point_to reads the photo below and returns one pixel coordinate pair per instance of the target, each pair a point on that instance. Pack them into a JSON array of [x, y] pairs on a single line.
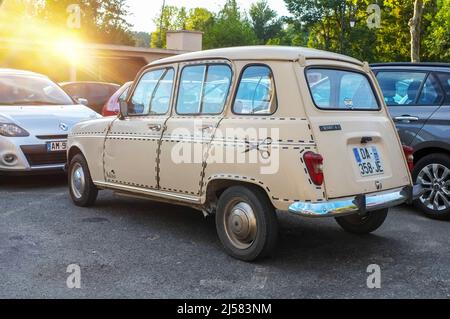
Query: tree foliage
[[101, 21], [265, 21]]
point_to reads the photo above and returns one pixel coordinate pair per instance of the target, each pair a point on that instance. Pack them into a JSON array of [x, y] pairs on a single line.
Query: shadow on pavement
[[33, 181]]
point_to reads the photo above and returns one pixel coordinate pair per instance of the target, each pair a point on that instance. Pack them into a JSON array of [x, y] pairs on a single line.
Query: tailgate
[[356, 138]]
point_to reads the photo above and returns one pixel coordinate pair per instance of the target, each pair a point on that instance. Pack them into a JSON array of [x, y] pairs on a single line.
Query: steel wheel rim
[[240, 225], [435, 180], [77, 181]]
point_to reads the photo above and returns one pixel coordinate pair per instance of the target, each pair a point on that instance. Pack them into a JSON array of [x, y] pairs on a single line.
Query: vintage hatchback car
[[243, 132]]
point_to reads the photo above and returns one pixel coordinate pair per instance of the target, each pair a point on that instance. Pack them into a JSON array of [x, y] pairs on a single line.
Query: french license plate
[[368, 160], [57, 146]]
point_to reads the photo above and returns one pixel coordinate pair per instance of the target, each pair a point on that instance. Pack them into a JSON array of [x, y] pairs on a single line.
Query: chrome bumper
[[357, 204]]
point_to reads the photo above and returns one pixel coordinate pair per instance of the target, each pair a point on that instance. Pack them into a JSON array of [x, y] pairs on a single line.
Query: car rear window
[[333, 89]]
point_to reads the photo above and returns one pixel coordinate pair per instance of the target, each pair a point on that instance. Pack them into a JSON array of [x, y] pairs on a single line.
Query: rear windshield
[[341, 90]]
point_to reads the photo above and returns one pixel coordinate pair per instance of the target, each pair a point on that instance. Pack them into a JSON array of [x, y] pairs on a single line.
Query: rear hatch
[[357, 140]]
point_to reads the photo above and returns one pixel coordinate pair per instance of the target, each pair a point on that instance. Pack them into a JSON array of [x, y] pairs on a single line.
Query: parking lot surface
[[130, 248]]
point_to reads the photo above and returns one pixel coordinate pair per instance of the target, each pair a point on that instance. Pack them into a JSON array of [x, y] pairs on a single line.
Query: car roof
[[424, 66], [4, 71], [88, 83], [264, 52]]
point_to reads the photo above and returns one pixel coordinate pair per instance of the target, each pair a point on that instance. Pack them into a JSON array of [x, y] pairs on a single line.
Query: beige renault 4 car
[[244, 132]]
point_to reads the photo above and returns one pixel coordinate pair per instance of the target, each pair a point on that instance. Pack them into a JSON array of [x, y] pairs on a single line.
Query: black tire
[[436, 158], [88, 195], [264, 237], [357, 224]]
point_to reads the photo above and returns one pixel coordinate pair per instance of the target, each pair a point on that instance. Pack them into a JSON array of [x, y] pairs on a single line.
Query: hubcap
[[77, 180], [240, 225], [435, 180]]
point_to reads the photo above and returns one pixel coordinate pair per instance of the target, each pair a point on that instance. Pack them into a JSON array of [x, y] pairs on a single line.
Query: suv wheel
[[246, 223], [432, 172], [82, 189]]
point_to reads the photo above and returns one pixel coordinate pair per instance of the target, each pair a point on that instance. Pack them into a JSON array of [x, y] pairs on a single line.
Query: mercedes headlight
[[12, 130]]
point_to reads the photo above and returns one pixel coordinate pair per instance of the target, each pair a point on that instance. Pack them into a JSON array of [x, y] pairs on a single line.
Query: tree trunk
[[414, 28]]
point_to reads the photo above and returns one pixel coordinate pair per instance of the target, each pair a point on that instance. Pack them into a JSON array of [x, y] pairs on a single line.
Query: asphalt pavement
[[131, 248]]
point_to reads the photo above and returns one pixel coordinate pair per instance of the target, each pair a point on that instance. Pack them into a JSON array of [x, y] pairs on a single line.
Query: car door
[[412, 97], [132, 142], [436, 129], [203, 89]]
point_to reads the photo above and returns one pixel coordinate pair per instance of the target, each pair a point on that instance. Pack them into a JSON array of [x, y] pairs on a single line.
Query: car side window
[[431, 93], [400, 88], [203, 89], [160, 102], [445, 81], [124, 94], [256, 91], [150, 95]]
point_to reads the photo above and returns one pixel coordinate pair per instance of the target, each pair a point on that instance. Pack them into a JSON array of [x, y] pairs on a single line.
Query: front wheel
[[82, 189], [358, 224], [246, 223]]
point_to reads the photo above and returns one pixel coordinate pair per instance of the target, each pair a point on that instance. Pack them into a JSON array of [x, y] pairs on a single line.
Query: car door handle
[[406, 118], [206, 128], [155, 127]]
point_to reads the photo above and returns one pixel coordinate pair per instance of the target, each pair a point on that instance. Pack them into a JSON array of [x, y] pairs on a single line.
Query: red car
[[112, 107]]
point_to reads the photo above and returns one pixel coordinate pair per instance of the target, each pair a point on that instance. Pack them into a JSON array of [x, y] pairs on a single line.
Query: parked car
[[112, 107], [96, 93], [315, 138], [35, 118], [418, 98]]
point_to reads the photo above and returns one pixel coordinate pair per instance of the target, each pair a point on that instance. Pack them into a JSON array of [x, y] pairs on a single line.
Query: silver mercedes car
[[35, 118]]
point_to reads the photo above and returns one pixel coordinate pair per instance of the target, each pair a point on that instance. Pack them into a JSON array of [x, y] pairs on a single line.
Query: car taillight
[[111, 107], [314, 165], [409, 151]]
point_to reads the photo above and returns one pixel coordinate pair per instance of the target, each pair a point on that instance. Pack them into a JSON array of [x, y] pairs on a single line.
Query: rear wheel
[[432, 172], [246, 223], [82, 189], [358, 224]]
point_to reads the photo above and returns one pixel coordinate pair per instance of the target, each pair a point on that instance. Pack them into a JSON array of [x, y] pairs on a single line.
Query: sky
[[142, 12]]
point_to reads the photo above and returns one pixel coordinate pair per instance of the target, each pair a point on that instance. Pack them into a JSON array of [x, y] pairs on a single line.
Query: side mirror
[[123, 109], [82, 101]]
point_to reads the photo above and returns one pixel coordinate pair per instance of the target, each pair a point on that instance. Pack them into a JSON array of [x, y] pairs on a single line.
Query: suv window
[[400, 88], [431, 92], [341, 90], [152, 94], [445, 81], [203, 89], [256, 92]]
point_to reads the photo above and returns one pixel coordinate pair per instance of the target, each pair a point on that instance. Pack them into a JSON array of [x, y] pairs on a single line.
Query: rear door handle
[[406, 118], [155, 127]]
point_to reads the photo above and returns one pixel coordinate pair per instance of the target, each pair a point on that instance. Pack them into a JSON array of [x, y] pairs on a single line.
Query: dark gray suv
[[418, 98]]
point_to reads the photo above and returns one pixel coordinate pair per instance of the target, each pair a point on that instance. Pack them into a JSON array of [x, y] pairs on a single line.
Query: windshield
[[31, 90], [341, 90]]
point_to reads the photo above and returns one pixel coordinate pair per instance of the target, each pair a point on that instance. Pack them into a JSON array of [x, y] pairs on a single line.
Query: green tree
[[113, 25], [172, 18], [199, 19], [437, 42], [265, 21], [231, 28], [101, 21]]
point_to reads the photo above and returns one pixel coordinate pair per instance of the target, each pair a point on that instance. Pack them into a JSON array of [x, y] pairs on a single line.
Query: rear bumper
[[357, 204]]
